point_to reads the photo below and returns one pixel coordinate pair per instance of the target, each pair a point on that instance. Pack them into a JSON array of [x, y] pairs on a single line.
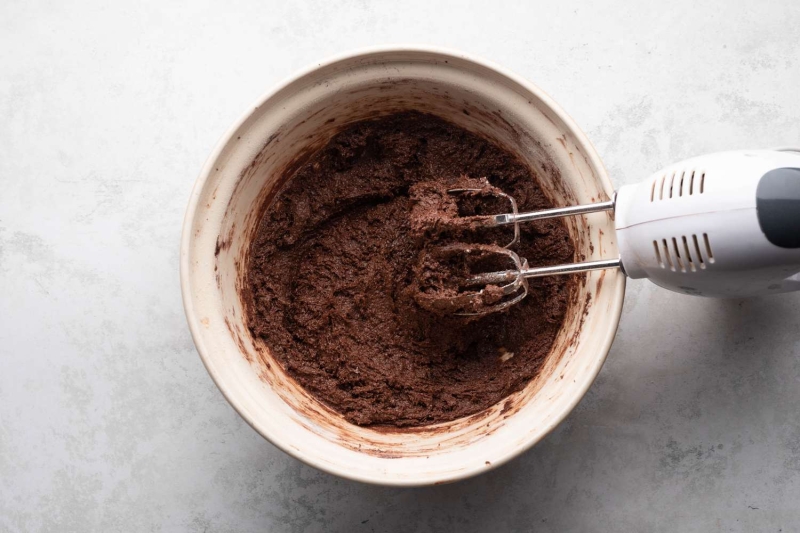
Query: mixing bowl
[[273, 138]]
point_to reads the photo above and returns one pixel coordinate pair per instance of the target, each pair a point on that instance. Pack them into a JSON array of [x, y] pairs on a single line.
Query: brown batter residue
[[441, 277], [331, 267]]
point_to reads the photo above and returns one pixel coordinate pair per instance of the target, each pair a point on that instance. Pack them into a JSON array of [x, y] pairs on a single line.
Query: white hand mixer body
[[721, 225]]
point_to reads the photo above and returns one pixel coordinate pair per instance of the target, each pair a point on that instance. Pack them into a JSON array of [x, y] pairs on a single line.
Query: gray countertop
[[108, 420]]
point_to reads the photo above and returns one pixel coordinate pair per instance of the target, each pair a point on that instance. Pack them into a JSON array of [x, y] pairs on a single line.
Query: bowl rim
[[187, 234]]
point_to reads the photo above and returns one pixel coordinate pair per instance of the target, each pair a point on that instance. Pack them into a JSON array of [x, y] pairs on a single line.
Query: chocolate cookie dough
[[332, 263]]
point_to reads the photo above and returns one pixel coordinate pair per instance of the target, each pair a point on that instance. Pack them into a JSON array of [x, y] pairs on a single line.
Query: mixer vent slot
[[708, 248], [677, 184], [678, 258], [658, 254], [684, 254], [667, 256]]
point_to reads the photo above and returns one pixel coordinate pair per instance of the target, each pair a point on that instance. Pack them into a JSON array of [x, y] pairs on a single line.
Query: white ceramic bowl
[[273, 138]]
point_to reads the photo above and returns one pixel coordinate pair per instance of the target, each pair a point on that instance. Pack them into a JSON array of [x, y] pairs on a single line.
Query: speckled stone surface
[[108, 420]]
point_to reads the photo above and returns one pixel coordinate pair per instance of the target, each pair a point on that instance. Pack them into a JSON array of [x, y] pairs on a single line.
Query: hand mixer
[[720, 225]]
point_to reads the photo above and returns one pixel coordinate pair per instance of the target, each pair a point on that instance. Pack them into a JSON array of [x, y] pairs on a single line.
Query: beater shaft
[[539, 272], [511, 218], [571, 268]]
